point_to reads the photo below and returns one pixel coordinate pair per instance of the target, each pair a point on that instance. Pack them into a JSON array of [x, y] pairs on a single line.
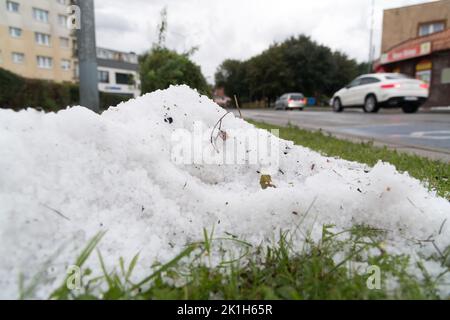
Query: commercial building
[[416, 42], [35, 39], [118, 72]]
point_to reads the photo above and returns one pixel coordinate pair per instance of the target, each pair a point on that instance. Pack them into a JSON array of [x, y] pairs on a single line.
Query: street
[[424, 133]]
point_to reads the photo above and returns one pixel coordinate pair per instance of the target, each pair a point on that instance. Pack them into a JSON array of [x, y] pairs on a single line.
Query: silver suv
[[290, 101]]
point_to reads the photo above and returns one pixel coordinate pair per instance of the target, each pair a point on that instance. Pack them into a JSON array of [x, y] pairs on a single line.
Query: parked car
[[382, 90], [290, 101]]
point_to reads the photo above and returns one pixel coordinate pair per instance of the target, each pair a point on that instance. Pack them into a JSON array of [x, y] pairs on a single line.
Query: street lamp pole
[[87, 56]]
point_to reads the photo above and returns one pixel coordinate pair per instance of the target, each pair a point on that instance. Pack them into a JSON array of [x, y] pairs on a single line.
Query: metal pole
[[87, 56], [371, 53]]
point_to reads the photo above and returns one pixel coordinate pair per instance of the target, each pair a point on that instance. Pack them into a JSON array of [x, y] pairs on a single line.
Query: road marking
[[430, 135]]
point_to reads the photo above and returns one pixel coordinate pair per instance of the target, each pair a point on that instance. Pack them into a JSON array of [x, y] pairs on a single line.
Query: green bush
[[110, 99], [19, 93], [10, 85]]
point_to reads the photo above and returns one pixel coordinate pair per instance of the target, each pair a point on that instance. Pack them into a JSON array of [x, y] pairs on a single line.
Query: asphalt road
[[424, 133]]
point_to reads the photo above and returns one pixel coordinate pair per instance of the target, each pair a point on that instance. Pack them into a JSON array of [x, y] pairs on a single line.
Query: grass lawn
[[436, 173], [271, 273], [327, 269]]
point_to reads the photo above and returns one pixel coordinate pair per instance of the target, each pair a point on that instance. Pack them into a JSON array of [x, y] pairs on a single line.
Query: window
[[42, 39], [65, 64], [18, 57], [62, 20], [369, 80], [44, 62], [424, 70], [12, 6], [424, 75], [64, 42], [429, 28], [445, 76], [15, 32], [40, 15], [124, 78], [296, 97], [354, 83], [103, 76], [397, 76]]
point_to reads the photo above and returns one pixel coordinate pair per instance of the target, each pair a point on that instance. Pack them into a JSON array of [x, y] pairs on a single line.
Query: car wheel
[[371, 104], [410, 108], [337, 105]]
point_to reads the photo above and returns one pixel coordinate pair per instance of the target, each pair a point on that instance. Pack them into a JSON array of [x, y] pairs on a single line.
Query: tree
[[161, 67], [295, 65], [231, 75]]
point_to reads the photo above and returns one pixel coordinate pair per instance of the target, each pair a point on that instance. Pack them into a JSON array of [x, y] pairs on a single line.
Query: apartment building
[[416, 42], [35, 39], [118, 72]]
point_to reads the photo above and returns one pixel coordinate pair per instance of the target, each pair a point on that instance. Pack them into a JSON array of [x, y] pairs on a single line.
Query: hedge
[[19, 93]]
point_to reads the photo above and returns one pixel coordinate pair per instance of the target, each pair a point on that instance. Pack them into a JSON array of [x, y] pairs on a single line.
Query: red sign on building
[[406, 53]]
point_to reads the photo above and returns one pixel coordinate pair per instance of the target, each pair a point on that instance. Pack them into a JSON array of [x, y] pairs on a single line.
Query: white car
[[382, 90]]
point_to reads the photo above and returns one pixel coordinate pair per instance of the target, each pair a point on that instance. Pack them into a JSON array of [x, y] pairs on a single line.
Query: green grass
[[317, 270], [435, 173]]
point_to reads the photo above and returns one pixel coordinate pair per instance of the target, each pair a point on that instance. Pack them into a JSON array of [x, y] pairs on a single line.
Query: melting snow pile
[[64, 177]]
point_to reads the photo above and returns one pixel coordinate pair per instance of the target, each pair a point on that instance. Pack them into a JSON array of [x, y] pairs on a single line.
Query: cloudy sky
[[239, 29]]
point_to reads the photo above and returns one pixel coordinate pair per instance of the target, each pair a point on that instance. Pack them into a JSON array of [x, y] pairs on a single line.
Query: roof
[[116, 51], [117, 64], [441, 41]]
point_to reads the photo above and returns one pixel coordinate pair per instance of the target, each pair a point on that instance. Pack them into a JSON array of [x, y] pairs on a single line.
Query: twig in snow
[[238, 107], [297, 227], [221, 133], [412, 203], [340, 175], [437, 249], [429, 240], [442, 226], [55, 211]]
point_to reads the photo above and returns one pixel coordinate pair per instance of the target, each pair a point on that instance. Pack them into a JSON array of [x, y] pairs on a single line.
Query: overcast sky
[[239, 29]]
